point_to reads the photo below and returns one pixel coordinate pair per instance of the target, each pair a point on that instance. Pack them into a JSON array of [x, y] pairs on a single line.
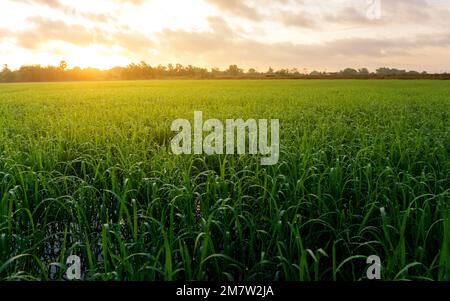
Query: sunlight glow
[[251, 33]]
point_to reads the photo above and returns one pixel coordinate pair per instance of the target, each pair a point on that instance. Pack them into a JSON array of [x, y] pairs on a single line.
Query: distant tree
[[382, 71], [190, 70], [234, 70], [363, 71], [63, 65], [215, 71], [294, 71], [112, 74], [349, 72], [142, 70], [6, 74], [390, 72], [170, 69], [282, 72], [179, 69], [160, 69], [413, 73]]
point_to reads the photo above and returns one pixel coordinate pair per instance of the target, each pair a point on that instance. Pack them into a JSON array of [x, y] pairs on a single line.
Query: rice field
[[86, 169]]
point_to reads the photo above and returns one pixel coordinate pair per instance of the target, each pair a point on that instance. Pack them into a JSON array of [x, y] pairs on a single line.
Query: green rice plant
[[86, 169]]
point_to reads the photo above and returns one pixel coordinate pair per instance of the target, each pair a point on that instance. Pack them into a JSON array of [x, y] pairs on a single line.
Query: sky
[[324, 35]]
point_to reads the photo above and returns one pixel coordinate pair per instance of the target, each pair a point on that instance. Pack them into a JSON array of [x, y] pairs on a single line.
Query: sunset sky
[[312, 34]]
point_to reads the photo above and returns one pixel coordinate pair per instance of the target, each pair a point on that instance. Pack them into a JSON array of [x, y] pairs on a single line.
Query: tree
[[170, 69], [363, 71], [390, 72], [179, 69], [282, 72], [6, 74], [63, 65], [190, 70], [234, 70], [349, 72], [294, 71], [144, 71], [413, 73]]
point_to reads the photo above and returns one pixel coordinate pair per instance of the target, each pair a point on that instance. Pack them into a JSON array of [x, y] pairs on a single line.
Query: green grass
[[364, 170]]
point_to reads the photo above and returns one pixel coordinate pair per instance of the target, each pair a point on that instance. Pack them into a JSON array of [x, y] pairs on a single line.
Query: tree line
[[144, 71]]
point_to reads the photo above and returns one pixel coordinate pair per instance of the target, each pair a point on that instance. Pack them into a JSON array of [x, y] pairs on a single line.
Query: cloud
[[217, 38], [58, 4], [4, 34], [71, 11], [251, 33], [407, 10], [388, 13], [134, 2], [133, 42], [238, 8], [220, 46], [310, 14], [46, 31], [298, 20], [350, 16], [323, 14], [50, 3]]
